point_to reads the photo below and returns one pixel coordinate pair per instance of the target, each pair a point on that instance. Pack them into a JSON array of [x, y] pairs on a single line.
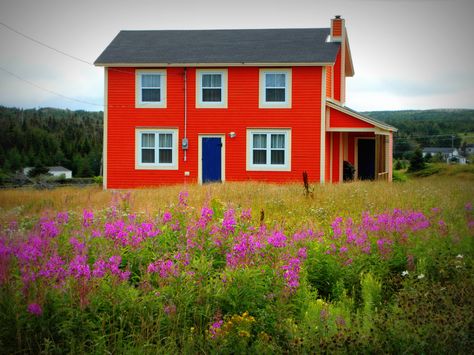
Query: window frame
[[138, 88], [263, 103], [199, 88], [139, 165], [268, 166]]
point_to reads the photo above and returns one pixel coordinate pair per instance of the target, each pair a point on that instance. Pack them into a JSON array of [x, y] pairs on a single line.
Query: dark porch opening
[[366, 159]]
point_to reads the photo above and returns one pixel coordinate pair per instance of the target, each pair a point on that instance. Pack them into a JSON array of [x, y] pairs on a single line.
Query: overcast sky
[[412, 54]]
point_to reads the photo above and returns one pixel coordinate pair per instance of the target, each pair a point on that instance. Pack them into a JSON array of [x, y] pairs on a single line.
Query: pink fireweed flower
[[343, 249], [215, 328], [35, 309], [336, 227], [48, 229], [78, 246], [79, 269], [244, 251], [87, 218], [468, 206], [436, 210], [443, 228], [166, 217], [229, 222], [54, 269], [277, 239], [114, 263], [246, 215], [206, 217], [62, 217], [383, 245], [169, 309], [470, 224], [183, 198], [30, 251], [165, 268], [99, 268], [302, 253], [291, 273]]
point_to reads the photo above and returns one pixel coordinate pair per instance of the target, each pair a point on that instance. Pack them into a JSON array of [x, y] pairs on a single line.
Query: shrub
[[417, 162]]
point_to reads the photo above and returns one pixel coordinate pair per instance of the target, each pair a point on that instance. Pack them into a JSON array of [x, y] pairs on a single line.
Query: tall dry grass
[[282, 204]]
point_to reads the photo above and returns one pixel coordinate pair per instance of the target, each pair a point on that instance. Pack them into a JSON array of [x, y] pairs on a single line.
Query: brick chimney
[[337, 29]]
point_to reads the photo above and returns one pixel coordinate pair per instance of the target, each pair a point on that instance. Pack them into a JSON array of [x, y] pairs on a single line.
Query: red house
[[233, 105]]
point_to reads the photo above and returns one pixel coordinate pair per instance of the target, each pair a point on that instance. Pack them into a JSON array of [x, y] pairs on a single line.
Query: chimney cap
[[337, 16]]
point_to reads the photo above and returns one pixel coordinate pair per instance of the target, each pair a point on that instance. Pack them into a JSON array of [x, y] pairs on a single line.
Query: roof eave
[[349, 69], [216, 64]]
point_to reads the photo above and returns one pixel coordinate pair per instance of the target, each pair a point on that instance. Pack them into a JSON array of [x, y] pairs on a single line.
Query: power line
[[449, 135], [44, 44], [47, 90]]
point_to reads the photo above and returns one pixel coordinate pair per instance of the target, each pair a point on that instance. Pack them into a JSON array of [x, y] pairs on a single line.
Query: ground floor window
[[157, 148], [268, 149]]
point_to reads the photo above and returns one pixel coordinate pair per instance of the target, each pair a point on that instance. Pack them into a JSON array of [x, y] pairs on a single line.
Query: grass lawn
[[240, 268]]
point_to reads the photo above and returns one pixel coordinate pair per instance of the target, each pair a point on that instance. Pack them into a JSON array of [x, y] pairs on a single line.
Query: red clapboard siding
[[339, 119], [304, 119]]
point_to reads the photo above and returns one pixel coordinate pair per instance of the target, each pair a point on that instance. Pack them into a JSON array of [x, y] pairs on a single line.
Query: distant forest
[[428, 128], [51, 137], [73, 139]]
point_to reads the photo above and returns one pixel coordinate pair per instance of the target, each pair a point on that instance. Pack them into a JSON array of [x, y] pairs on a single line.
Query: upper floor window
[[151, 88], [275, 88], [211, 88], [268, 149], [157, 149]]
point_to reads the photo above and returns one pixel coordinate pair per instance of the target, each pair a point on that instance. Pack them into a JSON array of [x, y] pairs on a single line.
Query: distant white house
[[450, 155], [57, 171]]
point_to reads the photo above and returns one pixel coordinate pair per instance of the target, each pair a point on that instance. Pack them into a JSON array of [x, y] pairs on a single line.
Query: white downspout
[[185, 113]]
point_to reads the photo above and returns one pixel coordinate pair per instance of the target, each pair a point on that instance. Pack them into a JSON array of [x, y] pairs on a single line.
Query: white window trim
[[138, 89], [262, 92], [199, 102], [156, 166], [268, 166]]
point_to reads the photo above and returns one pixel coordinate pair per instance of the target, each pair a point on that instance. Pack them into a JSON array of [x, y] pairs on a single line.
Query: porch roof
[[343, 118]]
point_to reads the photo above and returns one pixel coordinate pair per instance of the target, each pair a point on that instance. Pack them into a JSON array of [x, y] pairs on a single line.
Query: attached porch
[[363, 142]]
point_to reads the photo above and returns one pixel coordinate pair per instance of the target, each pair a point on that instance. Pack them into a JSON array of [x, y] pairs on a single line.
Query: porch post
[[389, 160]]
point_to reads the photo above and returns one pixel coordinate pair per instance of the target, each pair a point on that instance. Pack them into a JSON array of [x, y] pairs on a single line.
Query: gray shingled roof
[[305, 45], [438, 150], [58, 169]]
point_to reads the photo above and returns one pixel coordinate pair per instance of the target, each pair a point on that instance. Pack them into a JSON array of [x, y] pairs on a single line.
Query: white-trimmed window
[[275, 88], [151, 88], [269, 149], [157, 149], [211, 88]]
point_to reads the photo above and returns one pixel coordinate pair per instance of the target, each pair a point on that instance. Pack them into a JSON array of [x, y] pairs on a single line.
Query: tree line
[[51, 137], [428, 128], [73, 139]]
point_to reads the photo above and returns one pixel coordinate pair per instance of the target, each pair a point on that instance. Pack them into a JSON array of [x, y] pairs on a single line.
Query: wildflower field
[[239, 268]]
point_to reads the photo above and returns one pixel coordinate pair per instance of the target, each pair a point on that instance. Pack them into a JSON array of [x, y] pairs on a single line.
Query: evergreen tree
[[428, 157], [398, 165], [417, 162]]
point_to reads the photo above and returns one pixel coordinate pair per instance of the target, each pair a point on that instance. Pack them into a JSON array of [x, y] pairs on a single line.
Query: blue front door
[[211, 159]]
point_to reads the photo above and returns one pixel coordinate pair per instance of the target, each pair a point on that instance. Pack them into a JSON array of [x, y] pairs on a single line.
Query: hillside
[[428, 128], [49, 137]]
